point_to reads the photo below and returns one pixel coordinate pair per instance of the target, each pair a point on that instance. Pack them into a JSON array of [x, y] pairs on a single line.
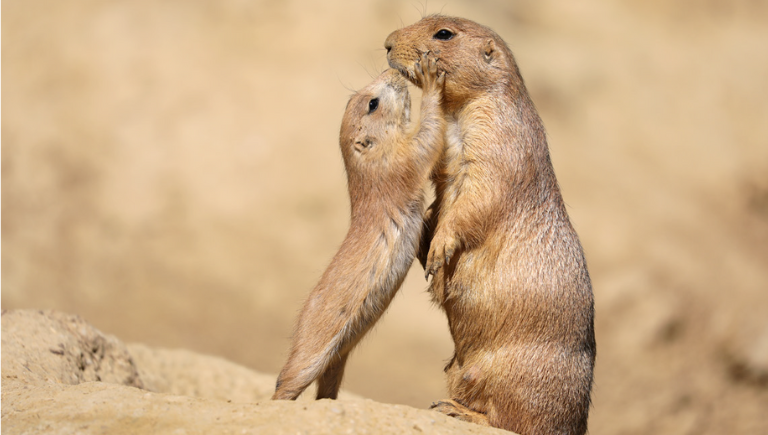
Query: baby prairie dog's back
[[387, 169]]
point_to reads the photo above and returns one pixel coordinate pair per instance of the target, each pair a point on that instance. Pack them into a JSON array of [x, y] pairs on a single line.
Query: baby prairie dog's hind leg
[[330, 381], [293, 380], [315, 346], [456, 410]]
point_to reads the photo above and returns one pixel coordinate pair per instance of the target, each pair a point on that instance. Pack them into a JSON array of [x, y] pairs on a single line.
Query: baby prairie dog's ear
[[488, 50]]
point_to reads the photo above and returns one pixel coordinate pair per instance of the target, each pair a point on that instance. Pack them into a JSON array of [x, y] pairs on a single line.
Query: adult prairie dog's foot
[[427, 74], [456, 410]]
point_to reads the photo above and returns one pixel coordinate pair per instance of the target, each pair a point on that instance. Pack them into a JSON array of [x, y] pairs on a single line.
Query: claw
[[448, 254], [441, 251], [433, 265], [426, 72]]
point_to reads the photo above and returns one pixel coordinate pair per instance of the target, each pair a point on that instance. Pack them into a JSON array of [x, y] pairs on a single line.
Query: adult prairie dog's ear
[[488, 50]]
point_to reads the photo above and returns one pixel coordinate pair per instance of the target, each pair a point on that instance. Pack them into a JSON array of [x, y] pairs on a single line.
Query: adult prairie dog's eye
[[373, 105], [443, 34]]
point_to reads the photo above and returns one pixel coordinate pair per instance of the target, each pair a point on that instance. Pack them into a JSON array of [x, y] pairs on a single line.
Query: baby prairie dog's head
[[473, 57], [374, 126]]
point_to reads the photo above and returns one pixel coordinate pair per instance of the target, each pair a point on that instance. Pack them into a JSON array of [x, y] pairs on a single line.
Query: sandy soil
[[61, 376], [170, 171]]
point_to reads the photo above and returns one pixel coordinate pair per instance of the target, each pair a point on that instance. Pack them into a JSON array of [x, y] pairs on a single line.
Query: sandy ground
[[170, 171], [61, 376]]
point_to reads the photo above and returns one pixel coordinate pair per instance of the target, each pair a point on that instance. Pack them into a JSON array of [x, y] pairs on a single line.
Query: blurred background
[[171, 172]]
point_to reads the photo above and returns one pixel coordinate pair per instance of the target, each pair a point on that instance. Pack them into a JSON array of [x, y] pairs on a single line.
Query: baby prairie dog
[[387, 171], [506, 264]]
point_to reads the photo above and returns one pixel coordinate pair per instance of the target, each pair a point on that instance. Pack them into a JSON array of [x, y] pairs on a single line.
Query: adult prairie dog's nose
[[390, 42]]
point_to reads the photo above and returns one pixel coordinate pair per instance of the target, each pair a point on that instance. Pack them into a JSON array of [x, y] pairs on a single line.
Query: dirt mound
[[61, 376]]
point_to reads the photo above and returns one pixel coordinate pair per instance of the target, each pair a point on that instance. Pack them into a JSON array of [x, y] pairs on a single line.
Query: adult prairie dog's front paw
[[427, 74], [442, 247]]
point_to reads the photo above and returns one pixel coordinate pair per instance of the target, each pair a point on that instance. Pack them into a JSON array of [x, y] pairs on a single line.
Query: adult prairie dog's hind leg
[[456, 410], [330, 381]]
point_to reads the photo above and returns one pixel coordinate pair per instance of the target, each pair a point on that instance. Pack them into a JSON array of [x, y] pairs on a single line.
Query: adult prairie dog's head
[[473, 57], [374, 124]]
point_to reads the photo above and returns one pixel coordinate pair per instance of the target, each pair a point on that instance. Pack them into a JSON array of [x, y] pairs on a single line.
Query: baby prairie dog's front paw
[[427, 74]]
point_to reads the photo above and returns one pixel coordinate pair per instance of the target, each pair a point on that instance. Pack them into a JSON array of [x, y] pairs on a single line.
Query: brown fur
[[387, 171], [507, 265]]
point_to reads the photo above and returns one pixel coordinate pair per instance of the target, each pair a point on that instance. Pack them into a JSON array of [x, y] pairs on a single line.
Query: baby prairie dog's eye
[[373, 105], [443, 34]]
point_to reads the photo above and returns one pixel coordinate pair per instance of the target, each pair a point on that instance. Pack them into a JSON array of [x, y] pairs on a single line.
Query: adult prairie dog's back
[[387, 170]]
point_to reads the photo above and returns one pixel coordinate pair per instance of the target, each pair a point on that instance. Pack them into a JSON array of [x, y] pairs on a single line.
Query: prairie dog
[[506, 264], [387, 169]]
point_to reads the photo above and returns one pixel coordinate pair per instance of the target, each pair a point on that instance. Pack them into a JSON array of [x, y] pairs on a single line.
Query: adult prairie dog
[[387, 171], [507, 265]]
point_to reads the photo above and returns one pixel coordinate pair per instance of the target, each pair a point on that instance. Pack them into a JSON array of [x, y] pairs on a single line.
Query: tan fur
[[507, 266], [387, 171]]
